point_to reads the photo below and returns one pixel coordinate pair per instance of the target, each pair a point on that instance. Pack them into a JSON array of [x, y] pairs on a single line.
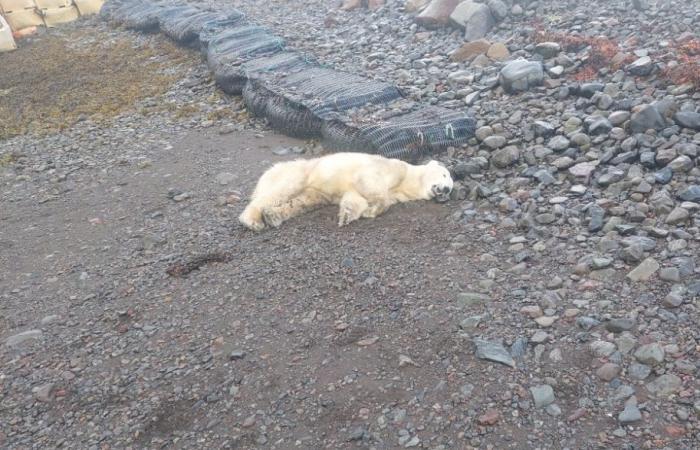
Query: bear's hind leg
[[352, 207], [276, 186], [306, 201]]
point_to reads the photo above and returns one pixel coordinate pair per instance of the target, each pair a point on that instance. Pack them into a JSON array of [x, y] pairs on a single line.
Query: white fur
[[362, 185]]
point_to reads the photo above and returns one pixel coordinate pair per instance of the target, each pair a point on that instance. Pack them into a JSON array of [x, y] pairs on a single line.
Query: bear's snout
[[441, 193]]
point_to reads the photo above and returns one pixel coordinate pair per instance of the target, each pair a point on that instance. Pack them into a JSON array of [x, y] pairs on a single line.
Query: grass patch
[[58, 79]]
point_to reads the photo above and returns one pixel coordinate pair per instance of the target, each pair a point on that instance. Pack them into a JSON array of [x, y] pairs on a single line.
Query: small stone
[[641, 67], [619, 325], [44, 393], [545, 321], [644, 271], [558, 143], [629, 415], [237, 354], [651, 354], [608, 371], [547, 49], [647, 118], [639, 371], [495, 141], [493, 351], [470, 50], [665, 385], [25, 336], [532, 311], [542, 395], [553, 410], [521, 75], [498, 52], [490, 417], [602, 349], [677, 215], [670, 274]]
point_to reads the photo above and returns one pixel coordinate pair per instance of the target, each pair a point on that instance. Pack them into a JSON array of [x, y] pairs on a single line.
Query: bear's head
[[437, 180]]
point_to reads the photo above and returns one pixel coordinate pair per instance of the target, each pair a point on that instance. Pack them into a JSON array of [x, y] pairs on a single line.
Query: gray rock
[[650, 354], [619, 325], [690, 193], [495, 141], [22, 337], [499, 9], [475, 18], [618, 118], [639, 371], [681, 164], [648, 118], [558, 143], [589, 89], [505, 157], [521, 75], [598, 125], [493, 351], [547, 49], [688, 119], [44, 393], [543, 129], [678, 215], [542, 395], [665, 385], [629, 415], [641, 67]]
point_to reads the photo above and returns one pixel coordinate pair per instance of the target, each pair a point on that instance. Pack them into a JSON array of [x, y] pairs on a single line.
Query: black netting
[[213, 28], [108, 9], [295, 94], [186, 27], [256, 97], [241, 44], [409, 136], [300, 102], [136, 15], [231, 78]]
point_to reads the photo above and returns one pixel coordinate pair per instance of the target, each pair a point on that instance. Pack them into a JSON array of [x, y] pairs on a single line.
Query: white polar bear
[[362, 185]]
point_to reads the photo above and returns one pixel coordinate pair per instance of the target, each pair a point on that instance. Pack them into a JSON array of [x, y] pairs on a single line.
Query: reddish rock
[[608, 371], [674, 430], [349, 5], [437, 13], [375, 4], [470, 50], [490, 417], [574, 416]]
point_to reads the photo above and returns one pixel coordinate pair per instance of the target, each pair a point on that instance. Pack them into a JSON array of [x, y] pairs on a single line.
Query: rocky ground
[[553, 303]]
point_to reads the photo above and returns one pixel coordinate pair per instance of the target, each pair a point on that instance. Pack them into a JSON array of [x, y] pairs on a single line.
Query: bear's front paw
[[345, 216], [272, 217]]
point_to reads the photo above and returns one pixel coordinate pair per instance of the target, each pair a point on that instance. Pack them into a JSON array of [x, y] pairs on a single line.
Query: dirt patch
[[59, 78]]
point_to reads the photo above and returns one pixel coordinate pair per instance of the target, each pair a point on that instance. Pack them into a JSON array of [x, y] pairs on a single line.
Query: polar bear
[[362, 185]]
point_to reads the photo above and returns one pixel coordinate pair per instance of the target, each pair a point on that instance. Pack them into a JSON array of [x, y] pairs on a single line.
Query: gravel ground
[[552, 304]]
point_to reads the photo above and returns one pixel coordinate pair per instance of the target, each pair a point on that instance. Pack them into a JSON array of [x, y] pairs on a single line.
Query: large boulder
[[521, 75], [437, 13], [475, 18], [414, 5]]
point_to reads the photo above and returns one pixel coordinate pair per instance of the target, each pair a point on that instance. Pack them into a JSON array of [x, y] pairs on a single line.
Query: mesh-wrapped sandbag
[[241, 44], [213, 28], [109, 8], [409, 136], [186, 27], [256, 97], [231, 78], [299, 103], [140, 16]]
